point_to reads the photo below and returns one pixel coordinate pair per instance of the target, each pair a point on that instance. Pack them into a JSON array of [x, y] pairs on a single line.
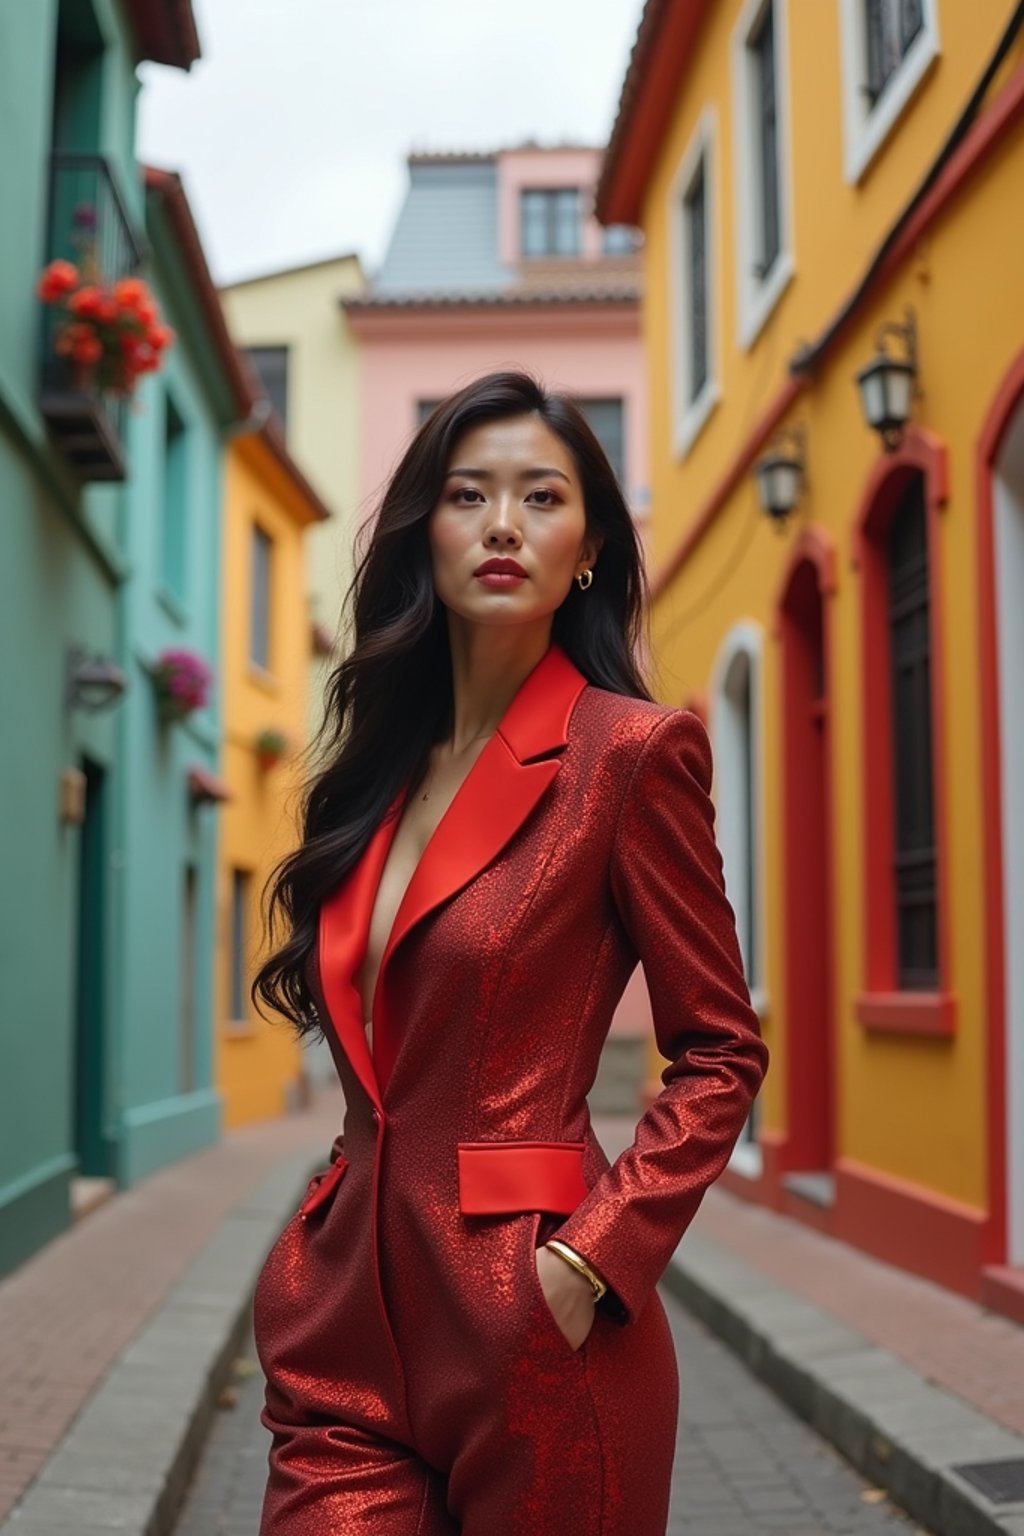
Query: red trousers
[[430, 1390]]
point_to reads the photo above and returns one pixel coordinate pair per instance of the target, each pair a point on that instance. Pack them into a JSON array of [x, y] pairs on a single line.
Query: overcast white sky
[[291, 132]]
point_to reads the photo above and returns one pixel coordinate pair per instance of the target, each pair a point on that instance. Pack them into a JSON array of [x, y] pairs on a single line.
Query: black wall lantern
[[780, 474], [887, 384], [93, 682]]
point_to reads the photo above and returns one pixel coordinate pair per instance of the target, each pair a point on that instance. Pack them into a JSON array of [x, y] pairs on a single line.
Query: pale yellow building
[[269, 511], [295, 332]]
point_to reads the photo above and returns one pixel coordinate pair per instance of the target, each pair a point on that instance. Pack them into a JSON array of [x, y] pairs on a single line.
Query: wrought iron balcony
[[88, 226]]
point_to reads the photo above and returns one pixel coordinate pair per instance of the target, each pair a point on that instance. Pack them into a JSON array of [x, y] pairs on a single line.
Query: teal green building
[[111, 539]]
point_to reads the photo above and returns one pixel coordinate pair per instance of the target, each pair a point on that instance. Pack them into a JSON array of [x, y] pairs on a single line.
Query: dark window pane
[[762, 46], [259, 634], [606, 418], [425, 408], [695, 215], [890, 26], [238, 1002], [619, 240], [174, 531], [271, 363], [550, 221], [914, 836]]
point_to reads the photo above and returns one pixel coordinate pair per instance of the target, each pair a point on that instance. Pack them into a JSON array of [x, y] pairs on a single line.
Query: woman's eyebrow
[[538, 472]]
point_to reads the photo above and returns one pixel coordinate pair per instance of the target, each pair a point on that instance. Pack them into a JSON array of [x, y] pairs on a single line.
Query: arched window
[[906, 963], [738, 780]]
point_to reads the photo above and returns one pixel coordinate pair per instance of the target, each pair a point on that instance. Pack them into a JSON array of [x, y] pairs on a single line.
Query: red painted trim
[[496, 1176], [1007, 402], [921, 453], [983, 138], [907, 1013], [909, 1225], [661, 58], [808, 853]]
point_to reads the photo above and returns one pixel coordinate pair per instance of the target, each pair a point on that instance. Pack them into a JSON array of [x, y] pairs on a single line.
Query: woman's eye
[[552, 498], [465, 490]]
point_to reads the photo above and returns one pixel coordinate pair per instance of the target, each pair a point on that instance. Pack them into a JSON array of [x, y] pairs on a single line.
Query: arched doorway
[[809, 1152], [1001, 576]]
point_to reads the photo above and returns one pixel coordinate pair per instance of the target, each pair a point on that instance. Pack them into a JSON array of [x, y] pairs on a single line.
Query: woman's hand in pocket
[[569, 1295]]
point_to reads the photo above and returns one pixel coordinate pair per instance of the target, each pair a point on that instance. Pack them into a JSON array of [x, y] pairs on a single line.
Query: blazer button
[[375, 1115]]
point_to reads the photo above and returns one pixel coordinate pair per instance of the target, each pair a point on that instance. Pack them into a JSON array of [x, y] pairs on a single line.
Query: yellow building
[[266, 651], [296, 333], [822, 185]]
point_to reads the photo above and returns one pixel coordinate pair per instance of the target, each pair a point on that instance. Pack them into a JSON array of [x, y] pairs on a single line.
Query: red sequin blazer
[[580, 843]]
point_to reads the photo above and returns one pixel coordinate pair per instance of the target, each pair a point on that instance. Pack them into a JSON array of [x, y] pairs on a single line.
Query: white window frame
[[689, 415], [866, 127], [757, 296], [746, 639]]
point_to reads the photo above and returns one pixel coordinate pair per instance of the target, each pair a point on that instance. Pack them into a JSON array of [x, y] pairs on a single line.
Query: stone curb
[[127, 1460], [900, 1431]]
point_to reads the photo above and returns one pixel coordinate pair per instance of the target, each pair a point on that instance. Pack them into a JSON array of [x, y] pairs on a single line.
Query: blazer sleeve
[[668, 887]]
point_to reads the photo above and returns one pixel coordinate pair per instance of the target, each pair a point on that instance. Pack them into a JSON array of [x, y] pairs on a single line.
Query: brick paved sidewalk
[[68, 1313], [973, 1353]]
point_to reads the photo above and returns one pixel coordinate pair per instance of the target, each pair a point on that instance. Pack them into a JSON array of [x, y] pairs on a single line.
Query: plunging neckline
[[406, 797]]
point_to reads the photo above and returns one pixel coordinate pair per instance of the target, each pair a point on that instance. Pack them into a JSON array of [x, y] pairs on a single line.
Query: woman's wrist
[[580, 1264]]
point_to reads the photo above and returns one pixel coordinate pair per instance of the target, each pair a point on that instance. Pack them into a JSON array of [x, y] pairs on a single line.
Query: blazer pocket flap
[[498, 1176]]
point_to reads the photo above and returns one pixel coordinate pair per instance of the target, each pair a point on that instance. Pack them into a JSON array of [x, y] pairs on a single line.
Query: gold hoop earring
[[583, 585]]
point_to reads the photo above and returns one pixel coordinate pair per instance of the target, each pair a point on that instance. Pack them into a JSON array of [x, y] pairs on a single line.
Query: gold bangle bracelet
[[579, 1263]]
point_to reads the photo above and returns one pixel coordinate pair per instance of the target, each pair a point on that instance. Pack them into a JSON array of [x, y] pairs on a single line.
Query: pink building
[[497, 261]]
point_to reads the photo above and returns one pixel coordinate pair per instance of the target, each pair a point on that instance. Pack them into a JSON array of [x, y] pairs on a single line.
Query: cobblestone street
[[744, 1464]]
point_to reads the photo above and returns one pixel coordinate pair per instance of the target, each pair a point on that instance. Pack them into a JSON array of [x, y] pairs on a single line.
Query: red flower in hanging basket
[[270, 746], [113, 329]]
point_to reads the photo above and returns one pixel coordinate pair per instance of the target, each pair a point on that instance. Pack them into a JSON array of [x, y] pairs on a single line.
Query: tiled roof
[[623, 290], [165, 31]]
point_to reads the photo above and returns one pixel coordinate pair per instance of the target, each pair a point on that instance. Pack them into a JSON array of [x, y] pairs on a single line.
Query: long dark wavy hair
[[391, 698]]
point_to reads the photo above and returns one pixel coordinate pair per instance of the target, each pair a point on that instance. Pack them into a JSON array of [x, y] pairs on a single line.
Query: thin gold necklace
[[469, 743]]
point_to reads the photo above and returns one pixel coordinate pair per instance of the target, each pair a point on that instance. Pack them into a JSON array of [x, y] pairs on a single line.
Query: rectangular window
[[620, 240], [766, 191], [174, 531], [606, 419], [259, 630], [764, 254], [549, 221], [271, 363], [189, 958], [914, 870], [890, 28], [695, 237], [425, 408], [238, 1003]]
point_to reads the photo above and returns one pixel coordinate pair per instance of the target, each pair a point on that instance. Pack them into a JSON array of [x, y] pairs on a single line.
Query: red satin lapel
[[344, 930], [495, 798]]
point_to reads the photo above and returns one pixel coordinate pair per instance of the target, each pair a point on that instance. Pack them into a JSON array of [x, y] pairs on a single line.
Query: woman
[[460, 1329]]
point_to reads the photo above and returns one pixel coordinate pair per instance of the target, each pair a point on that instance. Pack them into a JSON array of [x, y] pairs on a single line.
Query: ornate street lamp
[[781, 474], [887, 384]]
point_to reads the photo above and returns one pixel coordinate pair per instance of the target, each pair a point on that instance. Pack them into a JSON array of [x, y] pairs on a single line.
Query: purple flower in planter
[[183, 680]]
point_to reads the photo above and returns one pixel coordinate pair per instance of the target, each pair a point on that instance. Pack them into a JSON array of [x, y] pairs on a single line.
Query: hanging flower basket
[[109, 329], [270, 747], [183, 681]]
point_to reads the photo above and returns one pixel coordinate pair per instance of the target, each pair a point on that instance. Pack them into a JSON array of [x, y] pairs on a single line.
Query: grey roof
[[446, 237]]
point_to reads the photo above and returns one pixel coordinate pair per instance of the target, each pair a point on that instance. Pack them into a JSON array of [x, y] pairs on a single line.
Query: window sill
[[907, 1013], [759, 297], [868, 129], [693, 420], [238, 1029], [263, 679], [172, 606]]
